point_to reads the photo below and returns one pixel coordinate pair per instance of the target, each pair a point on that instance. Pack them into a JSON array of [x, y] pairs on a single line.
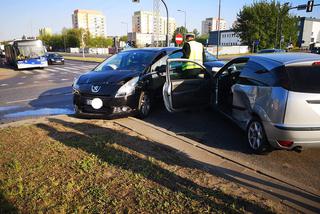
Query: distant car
[[263, 51], [315, 50], [275, 98], [54, 58]]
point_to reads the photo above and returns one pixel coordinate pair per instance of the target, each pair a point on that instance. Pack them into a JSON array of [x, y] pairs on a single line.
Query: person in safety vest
[[194, 51]]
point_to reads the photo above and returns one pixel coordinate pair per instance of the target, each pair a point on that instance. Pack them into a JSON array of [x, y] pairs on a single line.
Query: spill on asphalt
[[40, 112]]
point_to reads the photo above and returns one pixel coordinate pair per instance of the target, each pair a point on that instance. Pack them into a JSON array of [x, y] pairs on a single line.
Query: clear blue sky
[[18, 17]]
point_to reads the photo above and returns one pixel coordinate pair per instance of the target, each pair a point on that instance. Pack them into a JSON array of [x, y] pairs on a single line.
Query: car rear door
[[186, 89]]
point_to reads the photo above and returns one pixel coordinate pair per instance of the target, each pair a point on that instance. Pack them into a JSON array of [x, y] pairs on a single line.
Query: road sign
[[179, 39], [136, 1], [310, 6], [302, 7]]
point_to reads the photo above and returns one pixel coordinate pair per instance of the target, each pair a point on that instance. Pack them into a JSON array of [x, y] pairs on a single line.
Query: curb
[[233, 160]]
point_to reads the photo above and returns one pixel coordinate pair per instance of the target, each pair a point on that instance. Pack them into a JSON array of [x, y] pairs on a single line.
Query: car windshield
[[210, 57], [127, 60], [54, 55], [30, 49]]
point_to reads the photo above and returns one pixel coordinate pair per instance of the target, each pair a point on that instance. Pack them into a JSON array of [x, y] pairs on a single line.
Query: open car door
[[186, 89]]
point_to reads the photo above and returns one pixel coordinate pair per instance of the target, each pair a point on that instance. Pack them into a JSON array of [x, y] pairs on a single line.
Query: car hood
[[110, 77], [215, 64]]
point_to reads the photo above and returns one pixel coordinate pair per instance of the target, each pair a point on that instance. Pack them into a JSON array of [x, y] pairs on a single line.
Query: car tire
[[256, 137], [144, 106]]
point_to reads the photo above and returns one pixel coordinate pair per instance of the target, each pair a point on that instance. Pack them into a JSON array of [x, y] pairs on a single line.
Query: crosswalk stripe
[[52, 70], [27, 72], [41, 71], [61, 69]]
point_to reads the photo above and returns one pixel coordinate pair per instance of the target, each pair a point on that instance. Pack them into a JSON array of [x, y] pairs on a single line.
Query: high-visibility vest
[[196, 51]]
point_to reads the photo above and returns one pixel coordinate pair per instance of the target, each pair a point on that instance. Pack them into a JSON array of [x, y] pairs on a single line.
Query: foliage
[[73, 38], [196, 32], [263, 21], [181, 30], [203, 39]]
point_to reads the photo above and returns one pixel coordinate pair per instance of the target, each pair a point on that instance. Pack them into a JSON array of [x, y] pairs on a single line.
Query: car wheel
[[256, 137], [144, 107]]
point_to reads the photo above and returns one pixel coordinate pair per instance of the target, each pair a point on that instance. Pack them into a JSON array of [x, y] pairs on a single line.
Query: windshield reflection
[[127, 60]]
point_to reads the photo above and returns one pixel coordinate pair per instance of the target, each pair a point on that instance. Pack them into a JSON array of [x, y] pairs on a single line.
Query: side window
[[176, 55], [180, 73], [236, 67], [160, 65], [256, 74]]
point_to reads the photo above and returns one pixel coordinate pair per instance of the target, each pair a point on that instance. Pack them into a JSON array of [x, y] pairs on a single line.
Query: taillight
[[285, 143], [316, 64]]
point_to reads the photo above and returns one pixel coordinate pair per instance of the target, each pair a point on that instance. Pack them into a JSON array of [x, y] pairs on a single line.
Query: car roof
[[272, 60], [154, 49]]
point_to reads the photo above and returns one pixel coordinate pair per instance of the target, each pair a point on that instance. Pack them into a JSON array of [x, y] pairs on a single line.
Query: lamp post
[[126, 23], [167, 36], [219, 14], [185, 18]]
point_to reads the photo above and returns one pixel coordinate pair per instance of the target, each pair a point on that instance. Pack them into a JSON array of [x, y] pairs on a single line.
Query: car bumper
[[305, 137], [56, 63], [111, 105], [24, 66]]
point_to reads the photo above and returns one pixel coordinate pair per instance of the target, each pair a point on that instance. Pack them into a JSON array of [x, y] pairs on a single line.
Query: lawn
[[70, 166], [89, 59]]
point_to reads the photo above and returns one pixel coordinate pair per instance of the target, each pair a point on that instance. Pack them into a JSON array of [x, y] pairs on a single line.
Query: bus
[[27, 53]]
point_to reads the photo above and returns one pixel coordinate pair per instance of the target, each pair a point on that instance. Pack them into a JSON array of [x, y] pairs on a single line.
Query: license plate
[[89, 102], [58, 61]]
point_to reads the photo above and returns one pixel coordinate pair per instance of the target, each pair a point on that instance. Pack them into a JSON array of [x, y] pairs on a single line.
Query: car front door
[[186, 89]]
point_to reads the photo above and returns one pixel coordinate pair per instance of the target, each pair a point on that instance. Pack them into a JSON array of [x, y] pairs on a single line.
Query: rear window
[[303, 78]]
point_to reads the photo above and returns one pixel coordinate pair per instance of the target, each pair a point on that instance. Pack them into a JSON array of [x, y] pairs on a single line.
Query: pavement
[[300, 199]]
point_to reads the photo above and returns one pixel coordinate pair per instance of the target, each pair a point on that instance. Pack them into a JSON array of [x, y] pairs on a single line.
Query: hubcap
[[145, 105], [255, 135]]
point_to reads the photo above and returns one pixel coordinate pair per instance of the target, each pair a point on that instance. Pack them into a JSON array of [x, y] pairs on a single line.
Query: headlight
[[128, 88], [52, 59], [75, 83]]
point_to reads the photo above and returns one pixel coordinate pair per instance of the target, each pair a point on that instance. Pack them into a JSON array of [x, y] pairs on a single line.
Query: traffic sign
[[310, 6], [179, 39]]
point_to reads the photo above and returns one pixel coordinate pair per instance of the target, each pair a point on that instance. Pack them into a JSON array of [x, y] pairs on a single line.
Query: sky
[[26, 17]]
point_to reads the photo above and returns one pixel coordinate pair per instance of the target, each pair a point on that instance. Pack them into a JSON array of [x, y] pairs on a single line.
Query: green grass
[[90, 59], [64, 167]]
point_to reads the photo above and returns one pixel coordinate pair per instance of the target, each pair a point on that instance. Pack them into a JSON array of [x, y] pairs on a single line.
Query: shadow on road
[[84, 131]]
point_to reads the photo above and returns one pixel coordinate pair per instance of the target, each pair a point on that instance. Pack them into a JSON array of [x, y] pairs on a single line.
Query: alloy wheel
[[255, 135]]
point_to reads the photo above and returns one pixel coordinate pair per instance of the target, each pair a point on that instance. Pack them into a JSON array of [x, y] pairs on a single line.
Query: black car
[[54, 58], [126, 83]]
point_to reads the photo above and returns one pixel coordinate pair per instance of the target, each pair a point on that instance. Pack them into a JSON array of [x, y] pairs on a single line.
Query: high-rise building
[[309, 31], [92, 21], [143, 22], [211, 24], [45, 31]]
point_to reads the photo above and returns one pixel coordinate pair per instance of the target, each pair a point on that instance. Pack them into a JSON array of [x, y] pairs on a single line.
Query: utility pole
[[185, 18], [219, 14], [167, 36]]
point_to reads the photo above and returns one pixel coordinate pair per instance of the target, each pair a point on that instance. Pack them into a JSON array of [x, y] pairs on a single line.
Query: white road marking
[[27, 72], [52, 70], [20, 83], [64, 79], [24, 77], [36, 82], [2, 85], [50, 80], [41, 71], [61, 69], [20, 101]]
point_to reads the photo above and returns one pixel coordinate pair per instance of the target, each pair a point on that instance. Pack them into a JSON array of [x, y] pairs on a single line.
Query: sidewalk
[[271, 187]]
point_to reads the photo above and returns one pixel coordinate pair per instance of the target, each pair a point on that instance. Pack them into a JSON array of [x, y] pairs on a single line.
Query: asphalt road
[[47, 91]]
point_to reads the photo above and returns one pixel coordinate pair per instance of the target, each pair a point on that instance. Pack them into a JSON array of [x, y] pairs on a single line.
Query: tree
[[196, 32], [182, 30], [203, 39], [262, 21]]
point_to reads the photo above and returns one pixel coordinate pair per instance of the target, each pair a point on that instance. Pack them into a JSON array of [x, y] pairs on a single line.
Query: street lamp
[[125, 23], [219, 14], [185, 18]]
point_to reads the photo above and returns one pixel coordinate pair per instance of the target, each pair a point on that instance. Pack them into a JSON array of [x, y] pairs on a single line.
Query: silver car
[[275, 98]]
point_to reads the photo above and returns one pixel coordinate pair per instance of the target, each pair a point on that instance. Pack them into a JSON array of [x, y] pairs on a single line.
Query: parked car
[[264, 51], [54, 58], [274, 98], [127, 83]]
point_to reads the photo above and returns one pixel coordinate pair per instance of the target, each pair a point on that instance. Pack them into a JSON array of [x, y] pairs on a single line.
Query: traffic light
[[310, 6]]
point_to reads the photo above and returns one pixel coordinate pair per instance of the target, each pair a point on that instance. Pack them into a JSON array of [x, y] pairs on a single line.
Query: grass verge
[[98, 167], [88, 59]]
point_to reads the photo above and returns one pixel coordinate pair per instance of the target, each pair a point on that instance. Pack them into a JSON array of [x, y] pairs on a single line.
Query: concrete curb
[[233, 159]]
